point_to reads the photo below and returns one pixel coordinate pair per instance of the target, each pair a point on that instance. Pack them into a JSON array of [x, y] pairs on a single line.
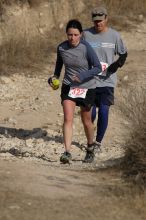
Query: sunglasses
[[98, 14]]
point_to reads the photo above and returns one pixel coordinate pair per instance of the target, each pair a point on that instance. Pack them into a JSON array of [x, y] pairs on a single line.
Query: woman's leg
[[89, 131], [88, 125], [68, 109], [93, 113]]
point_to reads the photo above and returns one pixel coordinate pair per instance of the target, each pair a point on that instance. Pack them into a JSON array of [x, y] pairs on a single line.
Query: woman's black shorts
[[88, 101]]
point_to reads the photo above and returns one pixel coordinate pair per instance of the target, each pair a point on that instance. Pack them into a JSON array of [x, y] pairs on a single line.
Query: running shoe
[[90, 152], [89, 158], [65, 157]]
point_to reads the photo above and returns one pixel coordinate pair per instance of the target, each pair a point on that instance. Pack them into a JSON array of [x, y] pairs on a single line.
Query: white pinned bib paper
[[104, 67], [77, 93]]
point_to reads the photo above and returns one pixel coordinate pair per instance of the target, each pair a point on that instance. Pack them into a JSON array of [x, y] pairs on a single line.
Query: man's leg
[[102, 122]]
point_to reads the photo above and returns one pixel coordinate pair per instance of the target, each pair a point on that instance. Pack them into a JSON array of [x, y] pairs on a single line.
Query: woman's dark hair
[[74, 24]]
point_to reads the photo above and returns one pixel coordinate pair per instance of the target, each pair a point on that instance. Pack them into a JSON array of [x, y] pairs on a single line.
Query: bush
[[134, 164]]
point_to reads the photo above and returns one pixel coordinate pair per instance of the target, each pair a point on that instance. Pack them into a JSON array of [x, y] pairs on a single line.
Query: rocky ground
[[34, 185], [31, 123]]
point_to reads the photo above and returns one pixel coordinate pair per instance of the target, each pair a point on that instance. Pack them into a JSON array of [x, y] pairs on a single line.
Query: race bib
[[104, 67], [77, 93]]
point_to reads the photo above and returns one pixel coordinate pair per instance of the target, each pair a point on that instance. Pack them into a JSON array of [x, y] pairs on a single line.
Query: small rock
[[61, 25], [125, 78], [140, 17]]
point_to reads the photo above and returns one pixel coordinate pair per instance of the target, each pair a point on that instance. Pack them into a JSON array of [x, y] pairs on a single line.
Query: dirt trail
[[34, 185], [40, 191]]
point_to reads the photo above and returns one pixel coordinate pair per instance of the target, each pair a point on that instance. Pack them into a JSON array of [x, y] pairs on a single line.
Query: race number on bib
[[77, 93], [104, 67]]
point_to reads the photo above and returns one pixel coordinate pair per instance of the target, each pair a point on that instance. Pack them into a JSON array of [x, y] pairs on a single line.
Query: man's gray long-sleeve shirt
[[106, 45], [80, 60]]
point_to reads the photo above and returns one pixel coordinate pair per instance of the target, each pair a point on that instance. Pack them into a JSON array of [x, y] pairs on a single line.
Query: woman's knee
[[68, 119]]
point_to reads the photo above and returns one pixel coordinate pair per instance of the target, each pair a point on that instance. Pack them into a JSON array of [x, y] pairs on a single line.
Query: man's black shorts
[[86, 102], [104, 95]]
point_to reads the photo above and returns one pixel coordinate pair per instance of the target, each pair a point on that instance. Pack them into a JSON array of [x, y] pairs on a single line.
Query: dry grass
[[126, 7], [21, 54], [121, 7], [31, 3], [22, 50], [134, 164]]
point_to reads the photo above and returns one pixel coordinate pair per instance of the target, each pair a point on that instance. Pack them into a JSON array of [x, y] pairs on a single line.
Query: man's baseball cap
[[99, 13]]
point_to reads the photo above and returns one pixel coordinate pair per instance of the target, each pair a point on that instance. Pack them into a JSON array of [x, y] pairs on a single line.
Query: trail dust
[[34, 185]]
